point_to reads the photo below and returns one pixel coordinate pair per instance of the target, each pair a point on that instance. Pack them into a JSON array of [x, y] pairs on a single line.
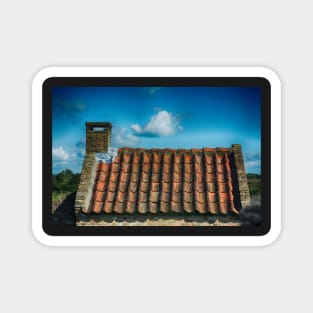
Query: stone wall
[[242, 182]]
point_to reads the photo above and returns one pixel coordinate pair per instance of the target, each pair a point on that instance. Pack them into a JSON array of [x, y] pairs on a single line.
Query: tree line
[[66, 180]]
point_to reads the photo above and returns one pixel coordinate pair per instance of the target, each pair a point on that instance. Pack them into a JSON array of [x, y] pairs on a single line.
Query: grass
[[58, 197], [254, 183]]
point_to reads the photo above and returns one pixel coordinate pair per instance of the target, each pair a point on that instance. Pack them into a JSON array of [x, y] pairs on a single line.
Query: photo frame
[[215, 176]]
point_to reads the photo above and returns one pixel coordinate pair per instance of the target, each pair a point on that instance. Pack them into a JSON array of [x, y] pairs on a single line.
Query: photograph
[[156, 155]]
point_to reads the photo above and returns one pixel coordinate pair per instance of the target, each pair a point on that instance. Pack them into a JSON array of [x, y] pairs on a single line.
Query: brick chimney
[[98, 138]]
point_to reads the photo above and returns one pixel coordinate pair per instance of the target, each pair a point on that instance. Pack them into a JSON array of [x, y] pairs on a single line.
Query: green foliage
[[65, 181], [254, 183]]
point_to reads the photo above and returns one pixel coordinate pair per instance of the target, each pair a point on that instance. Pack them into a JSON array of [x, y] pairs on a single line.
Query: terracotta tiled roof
[[166, 181]]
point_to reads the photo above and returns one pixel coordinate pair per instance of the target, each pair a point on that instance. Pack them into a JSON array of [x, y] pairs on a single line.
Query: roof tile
[[165, 180]]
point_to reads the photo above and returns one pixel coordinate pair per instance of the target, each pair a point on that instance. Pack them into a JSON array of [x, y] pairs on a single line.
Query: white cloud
[[162, 124], [59, 154], [252, 162], [122, 138]]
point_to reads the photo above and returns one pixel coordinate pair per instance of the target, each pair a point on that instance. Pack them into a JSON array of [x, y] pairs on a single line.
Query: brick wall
[[98, 136], [242, 182]]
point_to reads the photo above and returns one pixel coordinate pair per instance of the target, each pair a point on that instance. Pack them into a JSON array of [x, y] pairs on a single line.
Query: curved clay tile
[[165, 196], [199, 186], [188, 187], [124, 177], [220, 168], [176, 207], [145, 186], [155, 178], [224, 207], [210, 178], [117, 159], [164, 207], [177, 186], [132, 196], [188, 158], [167, 168], [209, 158], [127, 156], [154, 196], [178, 158], [166, 177], [103, 176], [130, 207], [200, 207], [177, 177], [200, 197], [114, 177], [105, 167], [116, 167], [198, 158], [121, 196], [210, 168], [213, 207], [126, 167], [219, 157], [110, 196], [188, 177], [153, 207], [221, 177], [101, 185], [133, 187], [97, 207], [222, 187], [119, 207], [98, 195], [123, 186], [137, 156], [165, 187], [223, 196], [155, 186], [211, 187], [188, 206], [178, 168], [157, 157], [167, 157], [211, 197], [147, 156], [112, 186], [156, 168], [176, 196], [145, 177], [143, 196], [142, 207], [108, 206], [188, 168]]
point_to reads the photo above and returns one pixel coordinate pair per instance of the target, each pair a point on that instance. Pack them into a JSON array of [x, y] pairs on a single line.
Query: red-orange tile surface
[[154, 181]]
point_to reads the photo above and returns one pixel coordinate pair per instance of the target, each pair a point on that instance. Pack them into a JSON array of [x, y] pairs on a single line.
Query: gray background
[[36, 34]]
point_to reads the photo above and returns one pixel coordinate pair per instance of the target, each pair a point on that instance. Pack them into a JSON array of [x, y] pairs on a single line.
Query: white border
[[42, 237]]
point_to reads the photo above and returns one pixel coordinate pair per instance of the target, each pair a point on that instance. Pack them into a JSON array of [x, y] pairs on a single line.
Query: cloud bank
[[252, 162], [59, 154], [123, 138], [161, 124]]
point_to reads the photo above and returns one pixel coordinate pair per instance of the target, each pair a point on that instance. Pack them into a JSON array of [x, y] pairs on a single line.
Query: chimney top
[[98, 124], [98, 136]]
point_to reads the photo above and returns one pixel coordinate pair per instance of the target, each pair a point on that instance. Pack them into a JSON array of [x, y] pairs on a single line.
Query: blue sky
[[157, 117]]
